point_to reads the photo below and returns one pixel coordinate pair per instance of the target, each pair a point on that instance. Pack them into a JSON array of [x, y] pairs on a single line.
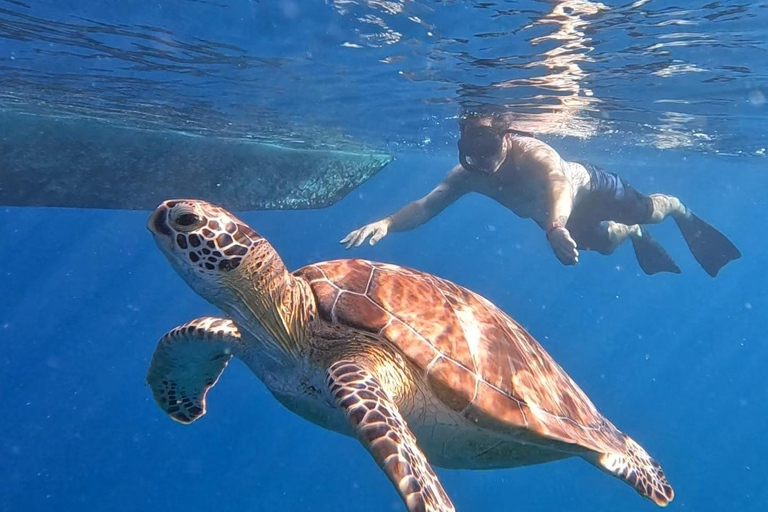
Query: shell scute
[[452, 384], [418, 303], [348, 275], [494, 409], [325, 295], [360, 312], [311, 273], [419, 354]]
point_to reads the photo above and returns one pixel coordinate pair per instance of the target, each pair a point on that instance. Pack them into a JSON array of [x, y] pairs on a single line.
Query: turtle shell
[[475, 359]]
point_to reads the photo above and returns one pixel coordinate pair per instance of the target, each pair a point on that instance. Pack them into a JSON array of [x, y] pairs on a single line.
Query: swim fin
[[709, 246], [651, 256]]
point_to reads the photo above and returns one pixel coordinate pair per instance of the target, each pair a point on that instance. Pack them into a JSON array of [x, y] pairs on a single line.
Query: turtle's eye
[[186, 219]]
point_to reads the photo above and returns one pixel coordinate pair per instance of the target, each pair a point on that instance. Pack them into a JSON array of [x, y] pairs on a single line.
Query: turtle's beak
[[158, 222]]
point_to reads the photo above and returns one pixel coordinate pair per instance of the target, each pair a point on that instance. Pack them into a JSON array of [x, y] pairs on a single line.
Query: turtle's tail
[[639, 470]]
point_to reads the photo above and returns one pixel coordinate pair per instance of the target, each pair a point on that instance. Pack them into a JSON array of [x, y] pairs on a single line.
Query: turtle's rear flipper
[[651, 256], [187, 362], [639, 470], [709, 246]]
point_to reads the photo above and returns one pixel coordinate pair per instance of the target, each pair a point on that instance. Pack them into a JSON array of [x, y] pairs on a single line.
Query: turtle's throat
[[274, 305]]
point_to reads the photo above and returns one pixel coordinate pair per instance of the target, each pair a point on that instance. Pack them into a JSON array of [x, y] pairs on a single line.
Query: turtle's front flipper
[[383, 431], [187, 362]]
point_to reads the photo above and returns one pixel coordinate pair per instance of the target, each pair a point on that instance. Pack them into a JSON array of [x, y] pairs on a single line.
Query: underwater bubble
[[756, 97], [290, 9]]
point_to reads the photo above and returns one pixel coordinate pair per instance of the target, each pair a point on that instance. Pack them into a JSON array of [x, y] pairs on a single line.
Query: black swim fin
[[651, 256], [709, 246]]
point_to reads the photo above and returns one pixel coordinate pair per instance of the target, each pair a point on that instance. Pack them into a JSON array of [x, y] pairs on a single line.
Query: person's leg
[[601, 236], [602, 222], [662, 206], [591, 232], [617, 233], [606, 236], [711, 249]]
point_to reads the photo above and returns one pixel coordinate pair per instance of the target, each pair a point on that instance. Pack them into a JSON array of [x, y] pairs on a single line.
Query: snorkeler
[[578, 205]]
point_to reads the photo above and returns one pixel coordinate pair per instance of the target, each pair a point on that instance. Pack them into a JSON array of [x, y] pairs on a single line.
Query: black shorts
[[625, 205]]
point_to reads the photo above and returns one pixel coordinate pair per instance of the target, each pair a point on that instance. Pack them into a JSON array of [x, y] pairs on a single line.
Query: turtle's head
[[217, 254], [236, 269]]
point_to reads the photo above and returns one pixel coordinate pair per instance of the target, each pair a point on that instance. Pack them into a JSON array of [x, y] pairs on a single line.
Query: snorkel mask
[[481, 147]]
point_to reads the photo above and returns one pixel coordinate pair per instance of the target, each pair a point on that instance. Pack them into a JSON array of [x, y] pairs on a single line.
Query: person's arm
[[560, 198], [545, 164], [416, 213], [438, 199]]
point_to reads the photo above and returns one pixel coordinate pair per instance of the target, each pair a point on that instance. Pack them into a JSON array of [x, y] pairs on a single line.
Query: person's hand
[[376, 230], [563, 246]]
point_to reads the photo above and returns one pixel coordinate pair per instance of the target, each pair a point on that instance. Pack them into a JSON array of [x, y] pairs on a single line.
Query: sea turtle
[[417, 368]]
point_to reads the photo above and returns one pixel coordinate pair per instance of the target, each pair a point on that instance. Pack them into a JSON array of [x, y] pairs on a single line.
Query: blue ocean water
[[675, 361]]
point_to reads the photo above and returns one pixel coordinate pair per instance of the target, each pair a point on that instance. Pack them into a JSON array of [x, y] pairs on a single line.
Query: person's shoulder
[[461, 179], [529, 142], [530, 148], [457, 173]]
